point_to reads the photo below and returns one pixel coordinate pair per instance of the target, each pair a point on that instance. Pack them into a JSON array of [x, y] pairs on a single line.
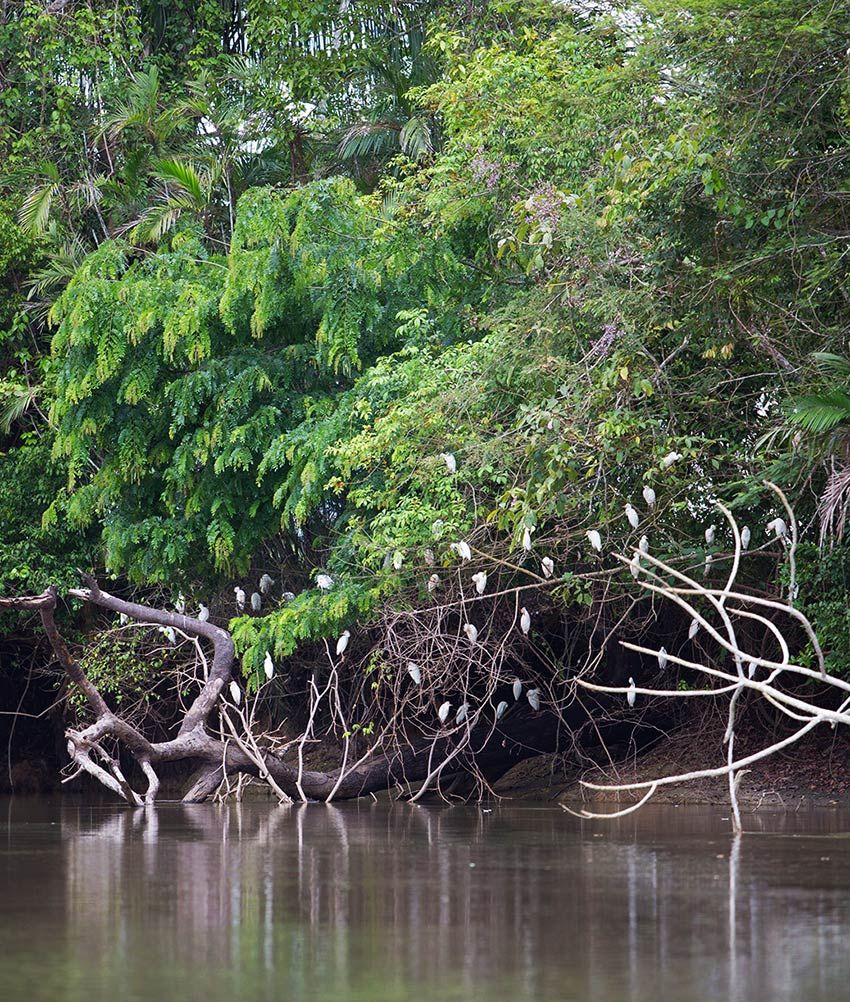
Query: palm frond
[[415, 138], [185, 175], [833, 365], [821, 413], [34, 213], [833, 503]]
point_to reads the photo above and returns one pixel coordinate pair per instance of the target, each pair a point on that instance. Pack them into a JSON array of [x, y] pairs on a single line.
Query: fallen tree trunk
[[490, 748]]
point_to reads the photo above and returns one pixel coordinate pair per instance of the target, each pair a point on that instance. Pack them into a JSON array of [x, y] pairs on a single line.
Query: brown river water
[[376, 903]]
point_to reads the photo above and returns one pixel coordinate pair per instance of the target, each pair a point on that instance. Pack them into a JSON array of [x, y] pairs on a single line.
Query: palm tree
[[822, 420]]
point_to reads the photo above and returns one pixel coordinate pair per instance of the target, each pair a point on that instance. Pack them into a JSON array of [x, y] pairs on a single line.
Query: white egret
[[746, 536], [693, 629], [778, 528], [525, 620], [649, 496], [443, 712], [517, 688], [662, 658], [462, 712], [266, 582], [709, 560], [450, 461], [751, 669], [430, 559], [433, 582], [414, 672], [168, 633], [547, 566], [288, 596], [471, 631], [256, 601], [533, 697], [480, 581], [180, 604], [709, 535], [669, 459], [240, 598], [342, 643], [203, 613], [123, 618], [500, 710], [634, 565], [398, 559], [235, 692], [324, 581], [526, 538], [594, 538], [463, 551], [631, 695], [643, 545], [632, 515], [268, 665]]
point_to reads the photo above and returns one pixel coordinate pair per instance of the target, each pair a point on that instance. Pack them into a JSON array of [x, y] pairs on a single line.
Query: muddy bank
[[816, 772]]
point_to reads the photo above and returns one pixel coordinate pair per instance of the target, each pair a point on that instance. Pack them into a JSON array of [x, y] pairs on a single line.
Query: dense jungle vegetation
[[332, 290]]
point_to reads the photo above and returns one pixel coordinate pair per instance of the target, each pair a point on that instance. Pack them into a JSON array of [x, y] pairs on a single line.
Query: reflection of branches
[[660, 578]]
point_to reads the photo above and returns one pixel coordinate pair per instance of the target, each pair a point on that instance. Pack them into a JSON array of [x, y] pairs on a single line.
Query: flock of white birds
[[778, 527]]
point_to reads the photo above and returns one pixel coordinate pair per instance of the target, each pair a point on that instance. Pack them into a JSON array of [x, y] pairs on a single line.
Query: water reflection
[[376, 903]]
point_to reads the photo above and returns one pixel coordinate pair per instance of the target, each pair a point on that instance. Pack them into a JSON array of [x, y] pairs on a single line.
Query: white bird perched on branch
[[180, 604], [398, 560], [709, 535], [709, 560], [342, 643], [450, 461], [433, 582], [203, 613], [256, 601], [266, 582], [462, 712], [168, 633], [480, 581], [533, 697], [670, 458], [414, 672], [643, 545], [288, 596], [240, 598], [268, 665], [500, 709], [693, 629], [430, 559], [324, 582], [649, 496], [235, 692], [634, 565], [594, 538], [471, 631], [123, 618], [547, 566], [662, 658], [462, 550], [746, 536], [778, 528], [443, 712], [525, 620], [632, 515], [526, 538], [517, 688], [631, 695]]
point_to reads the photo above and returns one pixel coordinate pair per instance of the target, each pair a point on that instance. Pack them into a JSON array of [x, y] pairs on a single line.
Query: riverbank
[[813, 773]]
